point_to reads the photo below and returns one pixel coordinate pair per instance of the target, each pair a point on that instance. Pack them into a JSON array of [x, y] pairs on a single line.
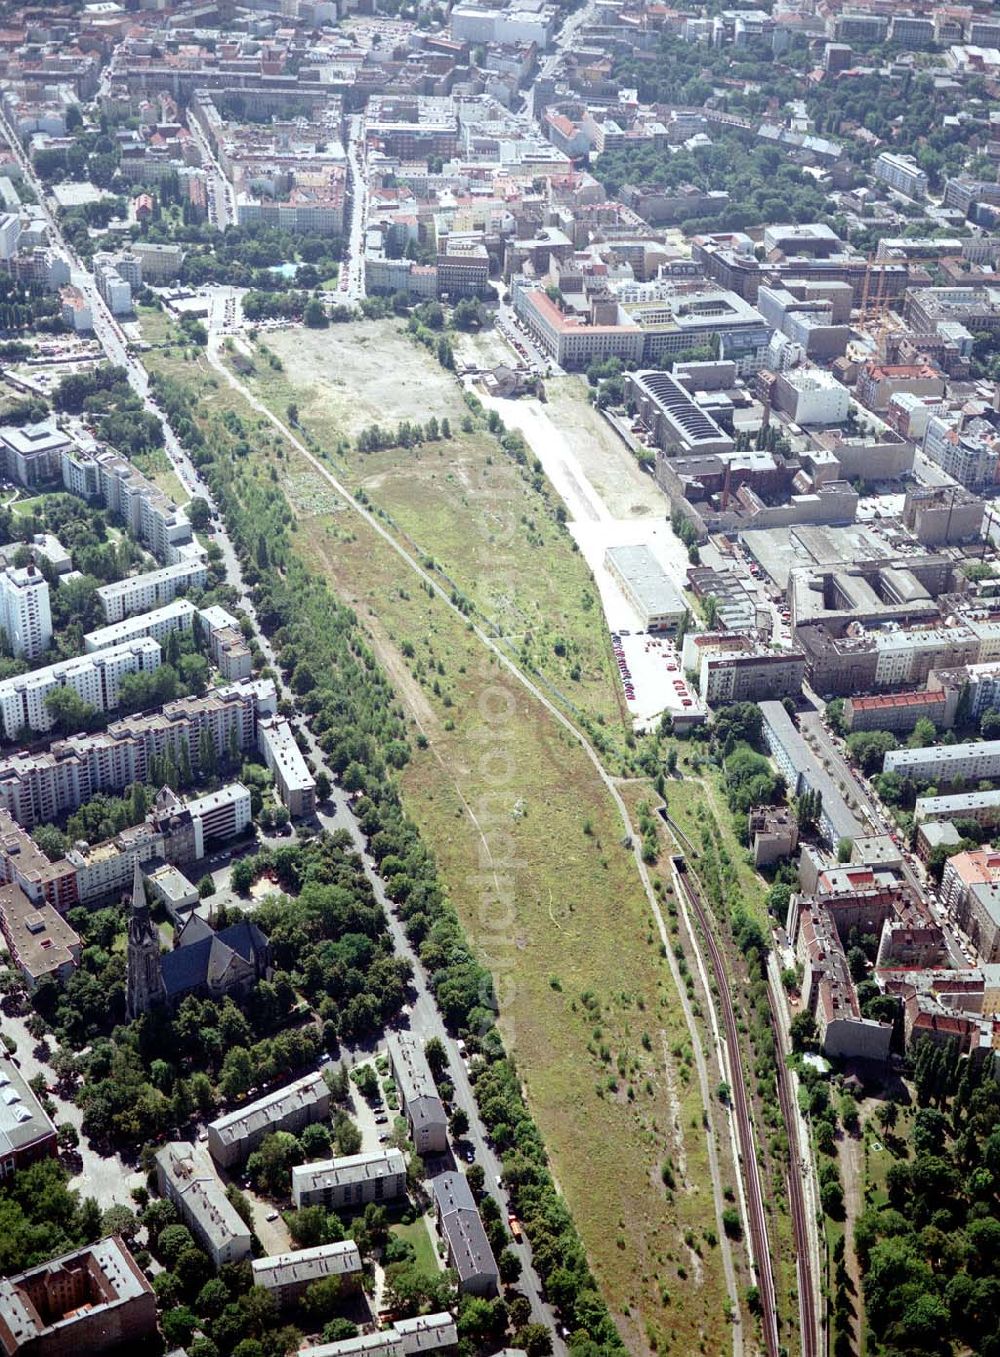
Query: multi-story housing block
[[143, 593], [418, 1095], [186, 1177], [95, 678], [37, 788], [88, 1301], [162, 622], [902, 173], [231, 1138], [350, 1181], [25, 614], [295, 783]]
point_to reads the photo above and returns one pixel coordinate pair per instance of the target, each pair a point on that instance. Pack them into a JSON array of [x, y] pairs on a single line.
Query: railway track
[[744, 1126], [797, 1201]]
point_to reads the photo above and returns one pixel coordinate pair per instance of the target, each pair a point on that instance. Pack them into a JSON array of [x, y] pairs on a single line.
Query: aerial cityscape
[[499, 678]]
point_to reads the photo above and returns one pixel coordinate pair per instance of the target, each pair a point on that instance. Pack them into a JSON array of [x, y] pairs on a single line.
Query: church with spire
[[205, 963], [144, 972]]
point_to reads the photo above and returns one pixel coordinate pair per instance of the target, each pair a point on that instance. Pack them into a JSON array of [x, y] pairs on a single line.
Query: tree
[[437, 1056], [67, 1135], [68, 710], [803, 1031], [120, 1220], [535, 1339], [459, 1122], [868, 748], [178, 1325], [206, 887], [199, 513], [323, 787], [171, 1243], [314, 315], [509, 1266]]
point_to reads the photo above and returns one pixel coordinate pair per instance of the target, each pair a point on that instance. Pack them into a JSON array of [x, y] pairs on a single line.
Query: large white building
[[176, 616], [945, 764], [222, 814], [812, 396], [146, 511], [94, 678], [25, 614], [296, 785], [902, 173], [143, 593]]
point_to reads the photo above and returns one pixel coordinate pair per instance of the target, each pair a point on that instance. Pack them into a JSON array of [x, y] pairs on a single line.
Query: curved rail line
[[744, 1125]]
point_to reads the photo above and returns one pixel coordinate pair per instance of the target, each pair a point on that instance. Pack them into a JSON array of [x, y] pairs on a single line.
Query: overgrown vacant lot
[[489, 523], [530, 848]]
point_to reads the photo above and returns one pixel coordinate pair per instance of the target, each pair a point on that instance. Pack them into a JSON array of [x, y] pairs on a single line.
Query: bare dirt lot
[[627, 491], [387, 382]]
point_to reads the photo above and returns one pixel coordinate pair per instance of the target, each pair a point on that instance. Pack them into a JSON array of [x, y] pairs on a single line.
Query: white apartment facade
[[94, 678], [25, 613], [143, 593], [159, 624]]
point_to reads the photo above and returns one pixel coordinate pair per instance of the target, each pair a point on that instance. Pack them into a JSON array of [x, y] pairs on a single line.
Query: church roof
[[208, 959]]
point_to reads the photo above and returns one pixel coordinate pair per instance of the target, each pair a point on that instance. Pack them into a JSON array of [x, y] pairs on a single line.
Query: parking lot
[[652, 676]]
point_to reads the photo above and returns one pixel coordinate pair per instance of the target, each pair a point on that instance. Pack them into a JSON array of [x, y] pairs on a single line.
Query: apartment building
[[25, 614], [40, 941], [418, 1095], [104, 477], [295, 783], [860, 26], [37, 788], [26, 1130], [970, 886], [95, 678], [966, 450], [222, 814], [22, 863], [803, 772], [159, 624], [112, 286], [226, 642], [461, 1227], [879, 382], [902, 173], [88, 1301], [983, 807], [231, 1138], [143, 593], [350, 1181], [31, 455], [405, 1338], [899, 711], [159, 263], [287, 1276], [749, 676], [943, 765], [186, 1177]]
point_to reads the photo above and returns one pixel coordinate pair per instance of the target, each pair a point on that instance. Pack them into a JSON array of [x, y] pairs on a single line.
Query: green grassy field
[[419, 1235], [529, 845], [460, 501]]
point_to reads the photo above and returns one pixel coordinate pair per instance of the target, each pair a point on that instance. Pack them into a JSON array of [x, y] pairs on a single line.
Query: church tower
[[145, 987]]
